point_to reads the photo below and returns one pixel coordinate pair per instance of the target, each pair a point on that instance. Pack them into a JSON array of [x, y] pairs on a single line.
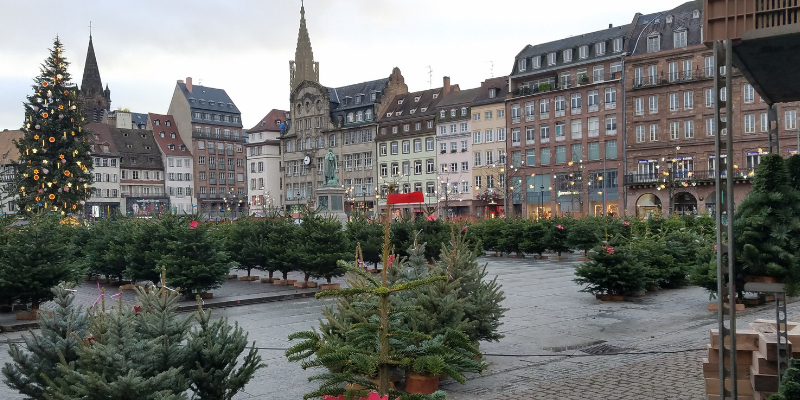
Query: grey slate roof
[[143, 148], [426, 101], [499, 83], [207, 99], [139, 119], [574, 42], [459, 97], [682, 17], [338, 95]]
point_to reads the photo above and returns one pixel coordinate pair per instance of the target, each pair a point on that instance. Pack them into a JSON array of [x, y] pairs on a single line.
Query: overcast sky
[[244, 46]]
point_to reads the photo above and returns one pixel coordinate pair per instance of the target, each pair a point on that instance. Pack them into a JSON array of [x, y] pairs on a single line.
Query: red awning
[[404, 198]]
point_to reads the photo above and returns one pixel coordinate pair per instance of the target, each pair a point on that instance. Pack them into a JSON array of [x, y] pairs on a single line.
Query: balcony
[[594, 132], [212, 150], [560, 113], [566, 84], [203, 135], [671, 78], [529, 118], [575, 111], [593, 107], [680, 178], [611, 106], [515, 120]]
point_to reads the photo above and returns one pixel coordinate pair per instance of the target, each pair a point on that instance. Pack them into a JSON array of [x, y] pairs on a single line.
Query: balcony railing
[[561, 84], [680, 177], [672, 77]]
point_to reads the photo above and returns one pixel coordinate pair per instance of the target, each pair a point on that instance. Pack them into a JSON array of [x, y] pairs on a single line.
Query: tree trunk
[[270, 274], [305, 277], [383, 367], [285, 275], [329, 279], [248, 272]]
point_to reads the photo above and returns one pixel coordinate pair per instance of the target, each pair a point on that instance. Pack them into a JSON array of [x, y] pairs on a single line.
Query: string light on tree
[[55, 162]]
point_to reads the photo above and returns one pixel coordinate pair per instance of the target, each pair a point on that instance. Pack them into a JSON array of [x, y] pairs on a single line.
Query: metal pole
[[731, 208], [604, 186]]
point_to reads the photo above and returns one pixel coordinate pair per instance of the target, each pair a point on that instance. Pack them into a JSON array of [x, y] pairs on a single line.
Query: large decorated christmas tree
[[54, 167]]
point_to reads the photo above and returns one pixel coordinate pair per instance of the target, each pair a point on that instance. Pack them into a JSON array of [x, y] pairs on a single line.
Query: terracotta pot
[[206, 295], [27, 315], [538, 257], [609, 297], [129, 286], [330, 286], [279, 282], [291, 281], [267, 280], [421, 384], [311, 284], [301, 284]]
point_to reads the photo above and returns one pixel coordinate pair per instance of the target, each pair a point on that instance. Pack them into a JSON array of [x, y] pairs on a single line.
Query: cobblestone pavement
[[547, 328]]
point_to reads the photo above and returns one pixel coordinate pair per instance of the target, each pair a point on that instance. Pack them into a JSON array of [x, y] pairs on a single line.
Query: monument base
[[330, 202]]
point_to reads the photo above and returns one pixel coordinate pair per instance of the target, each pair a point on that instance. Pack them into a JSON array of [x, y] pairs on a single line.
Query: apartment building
[[488, 146], [106, 198], [8, 171], [562, 114], [178, 163], [210, 125], [407, 146], [141, 172], [671, 160], [453, 142], [263, 150]]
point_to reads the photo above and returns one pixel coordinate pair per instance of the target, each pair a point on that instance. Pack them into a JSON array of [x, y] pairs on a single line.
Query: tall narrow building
[[303, 67], [95, 100]]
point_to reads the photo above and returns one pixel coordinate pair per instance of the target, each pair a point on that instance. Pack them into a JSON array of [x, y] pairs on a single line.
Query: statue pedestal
[[330, 202]]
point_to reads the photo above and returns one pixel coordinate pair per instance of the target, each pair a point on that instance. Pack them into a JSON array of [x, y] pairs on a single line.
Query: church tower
[[303, 68], [95, 99]]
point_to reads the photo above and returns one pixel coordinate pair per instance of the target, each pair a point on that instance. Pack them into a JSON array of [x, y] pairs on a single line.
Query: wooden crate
[[744, 386], [745, 339]]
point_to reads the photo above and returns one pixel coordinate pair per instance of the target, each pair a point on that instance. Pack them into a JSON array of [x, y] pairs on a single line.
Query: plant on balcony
[[453, 150], [463, 150], [545, 86], [767, 226], [488, 196], [443, 152], [583, 78]]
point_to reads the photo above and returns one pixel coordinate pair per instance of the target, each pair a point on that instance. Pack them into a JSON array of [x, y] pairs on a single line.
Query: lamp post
[[672, 167]]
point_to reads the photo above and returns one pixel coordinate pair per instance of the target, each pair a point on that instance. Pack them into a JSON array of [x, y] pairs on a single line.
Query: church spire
[[91, 83], [303, 68]]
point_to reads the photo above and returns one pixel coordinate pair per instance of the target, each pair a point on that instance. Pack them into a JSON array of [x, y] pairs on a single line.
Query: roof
[[139, 119], [101, 136], [499, 83], [268, 122], [681, 17], [404, 108], [338, 95], [459, 97], [143, 148], [171, 136], [203, 98], [8, 150], [573, 42]]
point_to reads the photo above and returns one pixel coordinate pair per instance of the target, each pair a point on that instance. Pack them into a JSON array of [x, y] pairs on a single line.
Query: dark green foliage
[[557, 234], [616, 271], [434, 232], [214, 350], [489, 232], [663, 270], [283, 247], [105, 249], [584, 234], [767, 227], [243, 241], [367, 232], [34, 258], [57, 337], [509, 242], [790, 383], [533, 238], [793, 168], [323, 244], [193, 258], [54, 166]]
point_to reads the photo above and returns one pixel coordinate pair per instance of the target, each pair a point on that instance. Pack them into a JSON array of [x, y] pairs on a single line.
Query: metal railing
[[680, 177]]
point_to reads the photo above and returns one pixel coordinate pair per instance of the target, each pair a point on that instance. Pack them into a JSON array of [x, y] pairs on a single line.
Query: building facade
[[562, 113], [488, 146], [96, 100], [263, 150], [178, 164], [8, 171], [210, 125], [106, 199], [454, 159], [141, 172], [671, 160], [407, 147]]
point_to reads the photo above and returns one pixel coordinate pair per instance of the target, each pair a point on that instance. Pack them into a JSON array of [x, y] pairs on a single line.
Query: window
[[617, 45], [674, 102], [764, 122], [501, 113], [791, 119], [453, 167], [394, 147], [384, 170], [544, 155], [395, 169], [515, 112], [749, 93], [653, 132], [653, 43], [597, 74], [417, 167], [477, 137], [652, 74], [536, 61], [674, 130], [600, 48], [463, 127], [501, 134], [488, 115], [594, 151], [530, 133], [383, 148], [639, 133], [544, 133], [463, 145], [544, 108], [672, 74], [201, 160], [417, 145], [515, 137], [653, 102], [560, 105], [430, 123], [442, 113], [611, 97], [639, 105], [477, 159], [749, 123], [679, 38], [443, 148], [476, 117], [576, 129], [688, 129], [561, 154], [709, 66], [583, 52], [577, 152], [551, 59], [406, 146], [611, 124], [687, 69], [453, 113], [530, 108], [465, 165], [709, 97], [638, 77], [592, 100], [560, 134], [429, 144], [522, 65], [723, 93], [453, 147], [710, 131], [575, 101], [453, 128], [430, 166], [611, 149], [593, 125], [567, 55]]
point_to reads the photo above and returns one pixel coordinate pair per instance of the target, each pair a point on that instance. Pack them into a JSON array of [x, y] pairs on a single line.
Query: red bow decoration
[[193, 225]]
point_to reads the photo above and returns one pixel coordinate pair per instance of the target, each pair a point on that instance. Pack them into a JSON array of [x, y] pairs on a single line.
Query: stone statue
[[330, 169]]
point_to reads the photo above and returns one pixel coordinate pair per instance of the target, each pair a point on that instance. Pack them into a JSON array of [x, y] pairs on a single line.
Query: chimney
[[180, 80], [610, 26], [446, 86], [189, 84]]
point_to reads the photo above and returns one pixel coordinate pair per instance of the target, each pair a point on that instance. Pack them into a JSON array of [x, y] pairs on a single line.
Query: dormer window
[[492, 93], [435, 95], [211, 103], [358, 99], [168, 123], [388, 114], [453, 113], [537, 62], [669, 19], [413, 110], [172, 135], [161, 134], [617, 45], [679, 38], [653, 43], [157, 122], [463, 111], [416, 99], [567, 55], [522, 65], [442, 113], [400, 101], [399, 113], [171, 146], [423, 109], [583, 52], [696, 14], [600, 48], [551, 59], [183, 148], [372, 96], [96, 137]]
